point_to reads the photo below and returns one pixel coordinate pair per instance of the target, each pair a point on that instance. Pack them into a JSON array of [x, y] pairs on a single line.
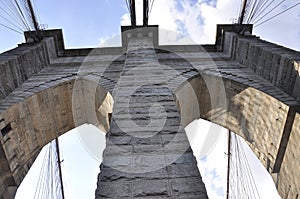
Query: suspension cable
[[297, 4], [257, 12], [19, 15], [242, 182], [48, 184], [151, 6], [11, 28], [269, 11]]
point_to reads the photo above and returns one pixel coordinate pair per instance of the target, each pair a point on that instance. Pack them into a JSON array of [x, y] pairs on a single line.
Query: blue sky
[[86, 24], [83, 23], [81, 150], [213, 163], [89, 24], [80, 167]]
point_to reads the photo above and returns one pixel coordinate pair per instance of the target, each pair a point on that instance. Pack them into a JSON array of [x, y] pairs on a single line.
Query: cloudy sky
[[90, 24]]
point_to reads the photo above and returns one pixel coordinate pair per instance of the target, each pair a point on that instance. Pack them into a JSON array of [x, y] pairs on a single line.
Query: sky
[[212, 163], [92, 23], [80, 164], [81, 150]]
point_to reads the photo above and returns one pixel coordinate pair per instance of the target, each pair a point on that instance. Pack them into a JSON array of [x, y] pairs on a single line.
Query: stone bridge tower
[[143, 95]]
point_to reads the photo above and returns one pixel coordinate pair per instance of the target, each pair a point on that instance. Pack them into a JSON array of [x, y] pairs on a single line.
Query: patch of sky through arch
[[212, 162], [81, 180]]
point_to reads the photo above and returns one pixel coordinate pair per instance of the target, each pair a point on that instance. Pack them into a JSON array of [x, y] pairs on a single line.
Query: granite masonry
[[143, 95]]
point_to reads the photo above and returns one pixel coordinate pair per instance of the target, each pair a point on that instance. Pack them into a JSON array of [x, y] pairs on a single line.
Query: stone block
[[146, 188], [184, 186], [108, 190]]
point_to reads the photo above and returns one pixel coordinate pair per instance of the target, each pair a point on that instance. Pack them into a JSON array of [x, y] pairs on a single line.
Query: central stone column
[[147, 154]]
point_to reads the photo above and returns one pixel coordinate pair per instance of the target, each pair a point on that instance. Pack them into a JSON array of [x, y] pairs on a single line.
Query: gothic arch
[[34, 121], [260, 118], [259, 105]]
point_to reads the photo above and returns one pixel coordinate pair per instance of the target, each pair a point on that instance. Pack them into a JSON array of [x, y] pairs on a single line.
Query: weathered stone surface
[[148, 165], [248, 86], [150, 188], [184, 186], [114, 190]]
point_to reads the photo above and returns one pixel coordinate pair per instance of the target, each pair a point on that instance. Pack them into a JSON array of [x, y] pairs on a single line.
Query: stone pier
[[241, 82], [147, 153]]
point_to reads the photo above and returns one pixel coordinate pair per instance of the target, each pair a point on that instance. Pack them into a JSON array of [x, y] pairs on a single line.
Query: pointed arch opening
[[80, 151], [223, 160]]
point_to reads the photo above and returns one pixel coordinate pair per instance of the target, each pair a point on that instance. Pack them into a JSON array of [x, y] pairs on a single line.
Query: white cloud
[[213, 166], [125, 20], [110, 41], [103, 40], [213, 175], [192, 19], [197, 19]]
